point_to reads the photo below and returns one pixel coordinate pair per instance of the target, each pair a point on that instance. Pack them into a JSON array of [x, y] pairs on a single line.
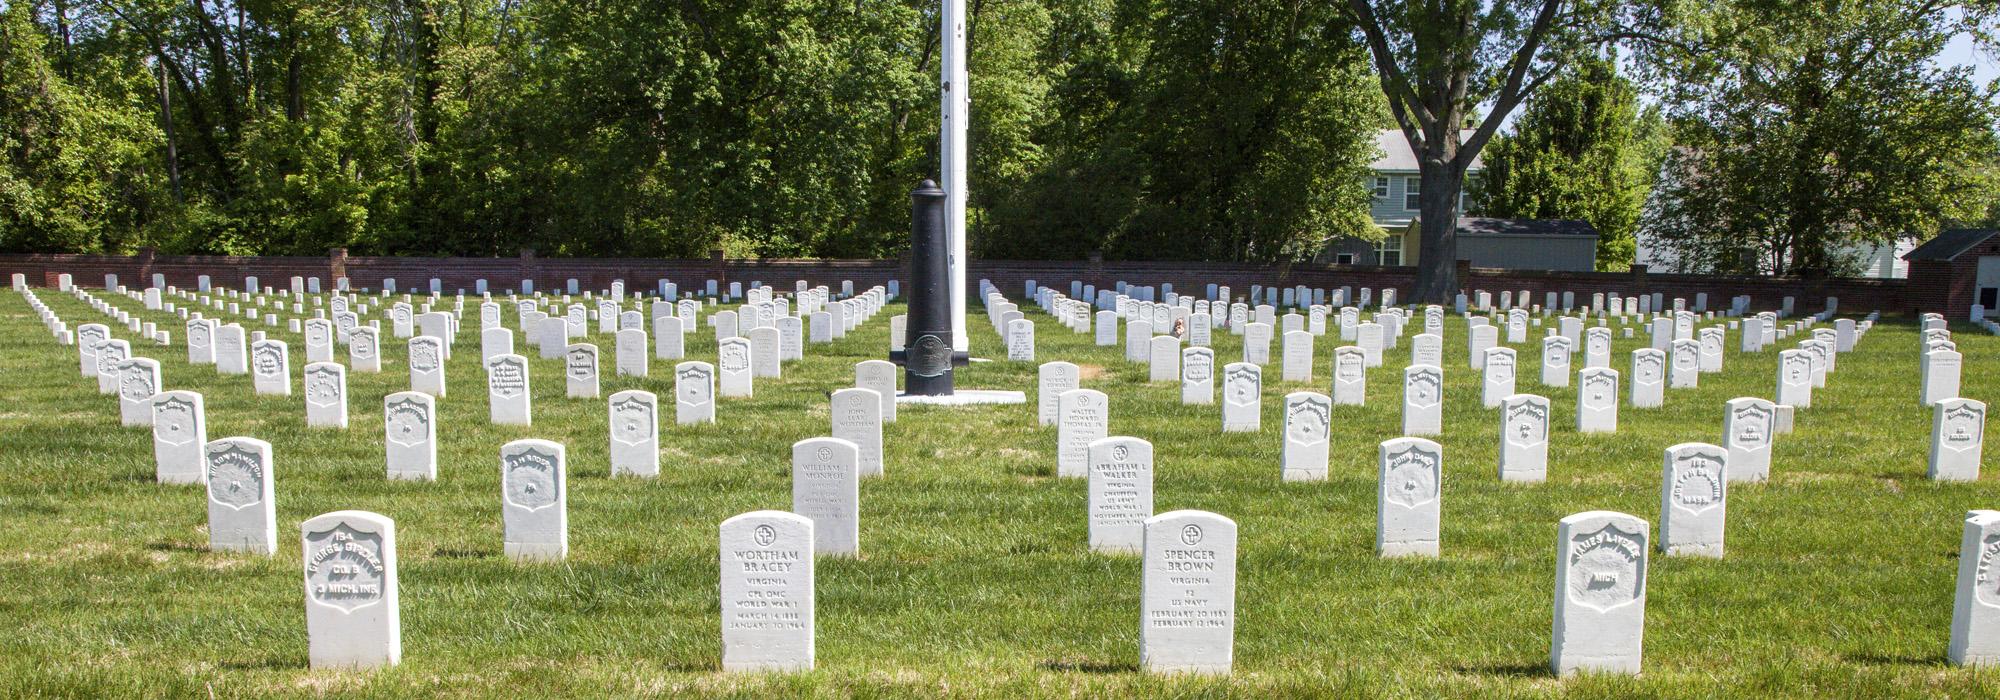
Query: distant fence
[[1855, 294]]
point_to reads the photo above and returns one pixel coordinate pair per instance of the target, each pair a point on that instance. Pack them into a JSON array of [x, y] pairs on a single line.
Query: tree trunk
[[1437, 231], [167, 125]]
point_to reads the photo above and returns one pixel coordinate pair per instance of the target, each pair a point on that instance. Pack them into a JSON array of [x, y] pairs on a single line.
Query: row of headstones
[[768, 581], [1300, 296], [301, 285]]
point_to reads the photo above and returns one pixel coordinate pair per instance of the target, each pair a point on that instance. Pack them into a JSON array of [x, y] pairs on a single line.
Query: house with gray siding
[[1522, 244]]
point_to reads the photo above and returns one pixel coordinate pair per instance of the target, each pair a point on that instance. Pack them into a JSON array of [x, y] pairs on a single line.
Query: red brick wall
[[1922, 292]]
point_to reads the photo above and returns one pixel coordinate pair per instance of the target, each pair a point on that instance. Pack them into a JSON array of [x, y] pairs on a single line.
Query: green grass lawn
[[976, 577]]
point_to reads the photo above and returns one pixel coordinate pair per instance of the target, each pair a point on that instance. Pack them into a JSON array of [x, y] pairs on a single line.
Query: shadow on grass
[[1087, 666], [1897, 659], [176, 546], [1528, 670], [269, 663], [443, 553]]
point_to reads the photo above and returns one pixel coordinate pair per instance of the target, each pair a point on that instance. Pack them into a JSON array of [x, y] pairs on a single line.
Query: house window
[[1413, 190], [1389, 251], [1344, 258], [1381, 188]]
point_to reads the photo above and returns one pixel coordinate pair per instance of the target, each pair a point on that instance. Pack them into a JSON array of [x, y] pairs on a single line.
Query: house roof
[[1950, 244], [1396, 153], [1477, 226]]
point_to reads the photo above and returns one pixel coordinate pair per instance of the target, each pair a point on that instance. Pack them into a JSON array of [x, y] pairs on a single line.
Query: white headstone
[[409, 422], [857, 418], [1975, 610], [1121, 493], [1649, 380], [1052, 379], [426, 357], [1188, 593], [1409, 481], [1083, 416], [326, 395], [694, 393], [1958, 434], [353, 616], [826, 487], [534, 500], [271, 368], [138, 382], [180, 430], [634, 416], [241, 511], [1600, 609], [1242, 397], [1308, 421], [1198, 376], [767, 592], [1423, 400], [1694, 495], [509, 399], [1524, 438]]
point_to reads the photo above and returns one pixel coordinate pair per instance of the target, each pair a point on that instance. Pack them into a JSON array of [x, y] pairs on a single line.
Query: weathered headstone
[[1600, 608], [1958, 434], [1747, 430], [1242, 397], [1350, 376], [1556, 351], [1308, 422], [1694, 496], [1975, 610], [1649, 368], [1941, 371], [1198, 376], [634, 416], [1423, 400], [271, 368], [241, 511], [1407, 497], [508, 397], [1497, 376], [1794, 379], [353, 616], [534, 500], [409, 427], [694, 393], [326, 395], [138, 381], [426, 357], [733, 370], [1524, 438], [180, 431]]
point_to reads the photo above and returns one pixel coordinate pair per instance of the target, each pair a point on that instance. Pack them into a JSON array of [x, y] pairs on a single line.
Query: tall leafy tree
[[1814, 128], [1440, 61], [1582, 149], [1211, 129]]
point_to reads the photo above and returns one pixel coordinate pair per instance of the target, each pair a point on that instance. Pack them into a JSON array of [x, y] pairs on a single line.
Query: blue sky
[[1963, 52]]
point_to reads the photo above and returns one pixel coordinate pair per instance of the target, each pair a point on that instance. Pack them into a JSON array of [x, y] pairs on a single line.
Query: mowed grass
[[975, 577]]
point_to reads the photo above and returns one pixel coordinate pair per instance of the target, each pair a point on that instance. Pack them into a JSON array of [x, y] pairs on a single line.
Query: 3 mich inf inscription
[[344, 568]]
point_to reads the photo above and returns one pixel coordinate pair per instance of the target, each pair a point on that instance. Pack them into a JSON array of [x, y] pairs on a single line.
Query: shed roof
[[1948, 245], [1479, 226]]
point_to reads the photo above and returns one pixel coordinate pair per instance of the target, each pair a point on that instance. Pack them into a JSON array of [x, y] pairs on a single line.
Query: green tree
[[1813, 128], [1441, 61], [1581, 149], [75, 174], [1207, 130]]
